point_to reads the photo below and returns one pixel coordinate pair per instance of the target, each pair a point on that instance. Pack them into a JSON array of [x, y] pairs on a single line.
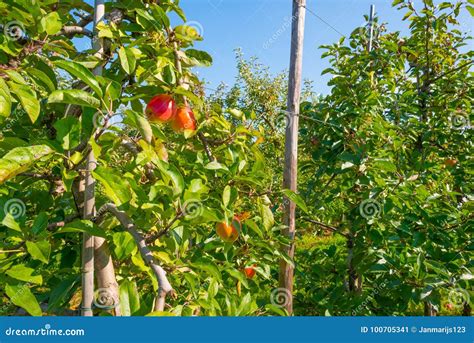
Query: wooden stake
[[371, 23], [291, 144]]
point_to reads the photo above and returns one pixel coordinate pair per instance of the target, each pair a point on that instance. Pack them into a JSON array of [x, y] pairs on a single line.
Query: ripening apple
[[450, 162], [229, 233], [161, 108], [449, 306], [184, 119], [250, 271]]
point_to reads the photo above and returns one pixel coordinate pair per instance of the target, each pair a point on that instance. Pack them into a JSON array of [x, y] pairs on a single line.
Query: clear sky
[[251, 24], [262, 28]]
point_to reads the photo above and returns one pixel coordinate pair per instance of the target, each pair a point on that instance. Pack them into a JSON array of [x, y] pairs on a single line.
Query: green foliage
[[54, 110], [388, 162], [385, 167]]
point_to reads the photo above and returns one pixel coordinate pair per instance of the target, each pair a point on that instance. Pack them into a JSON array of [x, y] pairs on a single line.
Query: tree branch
[[74, 30], [163, 232], [325, 226], [63, 222], [164, 287], [208, 151]]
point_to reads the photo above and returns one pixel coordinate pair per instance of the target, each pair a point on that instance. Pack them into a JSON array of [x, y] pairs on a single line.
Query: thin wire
[[324, 21]]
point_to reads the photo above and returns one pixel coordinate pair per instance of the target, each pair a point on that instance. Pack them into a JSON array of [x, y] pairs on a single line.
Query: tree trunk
[[466, 310], [354, 279], [430, 310], [105, 274], [87, 262]]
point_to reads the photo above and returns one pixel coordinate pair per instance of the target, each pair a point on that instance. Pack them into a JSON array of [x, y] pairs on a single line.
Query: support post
[[371, 28], [291, 144]]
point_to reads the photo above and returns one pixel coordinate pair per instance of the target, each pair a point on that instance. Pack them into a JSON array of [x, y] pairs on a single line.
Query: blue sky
[[251, 24], [261, 28]]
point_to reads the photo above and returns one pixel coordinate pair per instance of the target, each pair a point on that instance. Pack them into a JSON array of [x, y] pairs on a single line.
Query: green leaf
[[198, 58], [244, 305], [10, 222], [82, 226], [471, 10], [296, 198], [385, 165], [51, 23], [160, 15], [116, 187], [23, 273], [5, 99], [239, 276], [145, 20], [208, 266], [187, 33], [28, 100], [129, 298], [61, 292], [347, 165], [127, 59], [254, 227], [39, 250], [41, 79], [214, 165], [226, 195], [82, 73], [18, 160], [21, 296], [267, 216], [176, 178], [141, 123], [40, 223], [278, 310], [68, 132], [74, 97], [124, 245]]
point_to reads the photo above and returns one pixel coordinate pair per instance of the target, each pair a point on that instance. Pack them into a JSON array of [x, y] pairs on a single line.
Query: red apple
[[250, 271], [161, 108], [184, 120]]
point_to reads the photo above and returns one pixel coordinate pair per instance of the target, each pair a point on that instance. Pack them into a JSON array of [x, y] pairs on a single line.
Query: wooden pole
[[291, 144], [371, 23]]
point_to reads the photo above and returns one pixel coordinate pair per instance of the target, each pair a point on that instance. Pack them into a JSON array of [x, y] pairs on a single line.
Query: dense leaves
[[385, 202]]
